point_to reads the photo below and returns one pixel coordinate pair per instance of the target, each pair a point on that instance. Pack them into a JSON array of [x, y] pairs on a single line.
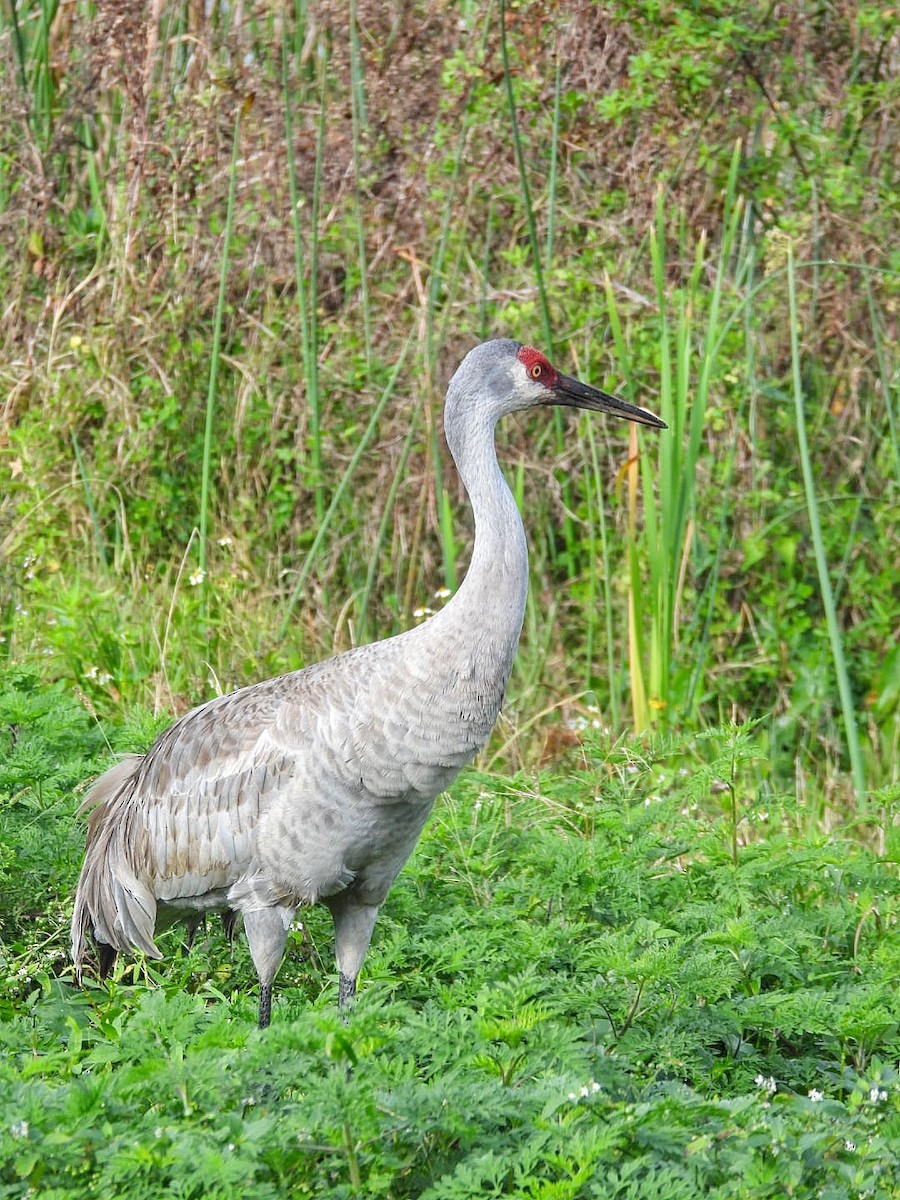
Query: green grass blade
[[215, 359], [89, 501], [812, 507], [596, 492], [324, 527], [387, 518], [553, 174], [526, 191], [358, 110], [307, 290], [889, 389]]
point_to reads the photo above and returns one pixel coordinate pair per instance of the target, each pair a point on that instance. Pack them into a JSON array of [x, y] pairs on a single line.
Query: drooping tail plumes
[[112, 907]]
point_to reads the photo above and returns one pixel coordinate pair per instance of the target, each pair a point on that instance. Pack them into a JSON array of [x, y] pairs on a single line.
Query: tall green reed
[[570, 535], [343, 484], [358, 110], [307, 284], [848, 712], [216, 353], [687, 360], [31, 43], [96, 526], [438, 297]]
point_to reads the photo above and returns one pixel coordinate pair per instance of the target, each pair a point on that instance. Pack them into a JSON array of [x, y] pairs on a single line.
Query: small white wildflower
[[767, 1083], [23, 612], [47, 651], [248, 1100], [419, 613], [443, 593], [882, 1095], [224, 541], [631, 769], [103, 678], [683, 772], [572, 1096], [595, 1086], [197, 577], [815, 1095], [19, 1129], [91, 673], [849, 1146], [157, 1132], [584, 1092], [231, 1145]]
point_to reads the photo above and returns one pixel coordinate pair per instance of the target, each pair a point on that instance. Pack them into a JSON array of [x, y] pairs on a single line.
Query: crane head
[[539, 381], [503, 376]]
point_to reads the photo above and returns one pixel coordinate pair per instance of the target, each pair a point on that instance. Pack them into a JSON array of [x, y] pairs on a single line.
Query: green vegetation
[[626, 979], [650, 947]]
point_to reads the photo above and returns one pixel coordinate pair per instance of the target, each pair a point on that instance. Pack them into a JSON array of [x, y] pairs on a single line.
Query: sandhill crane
[[315, 786]]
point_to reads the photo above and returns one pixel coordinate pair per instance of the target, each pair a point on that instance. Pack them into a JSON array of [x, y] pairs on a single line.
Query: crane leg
[[353, 925], [267, 933], [346, 990], [107, 958]]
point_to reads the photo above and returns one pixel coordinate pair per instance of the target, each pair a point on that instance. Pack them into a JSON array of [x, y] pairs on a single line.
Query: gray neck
[[490, 603]]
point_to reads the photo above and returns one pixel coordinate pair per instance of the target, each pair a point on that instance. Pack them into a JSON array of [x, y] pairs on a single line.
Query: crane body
[[315, 786]]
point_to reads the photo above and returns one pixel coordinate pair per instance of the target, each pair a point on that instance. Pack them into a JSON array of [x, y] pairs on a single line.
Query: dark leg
[[346, 990], [266, 932], [353, 924], [265, 1004], [230, 919], [107, 956]]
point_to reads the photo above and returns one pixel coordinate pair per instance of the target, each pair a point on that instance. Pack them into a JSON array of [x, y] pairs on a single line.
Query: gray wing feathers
[[177, 822]]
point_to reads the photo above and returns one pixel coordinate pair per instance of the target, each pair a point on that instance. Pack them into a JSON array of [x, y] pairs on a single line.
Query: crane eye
[[537, 371]]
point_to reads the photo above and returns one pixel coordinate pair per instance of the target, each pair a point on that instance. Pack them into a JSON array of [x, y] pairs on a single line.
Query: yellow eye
[[537, 371]]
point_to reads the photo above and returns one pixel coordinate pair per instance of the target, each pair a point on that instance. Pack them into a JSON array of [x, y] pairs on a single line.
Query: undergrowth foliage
[[627, 980]]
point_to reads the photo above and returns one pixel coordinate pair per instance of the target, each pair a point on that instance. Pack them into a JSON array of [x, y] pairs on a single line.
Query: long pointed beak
[[574, 394]]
